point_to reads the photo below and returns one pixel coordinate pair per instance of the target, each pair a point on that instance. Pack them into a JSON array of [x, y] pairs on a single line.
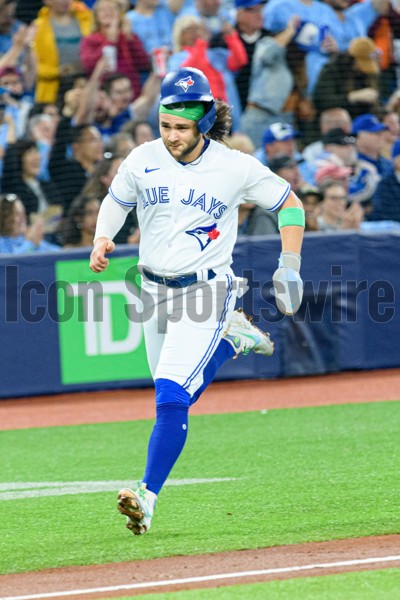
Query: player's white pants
[[183, 327]]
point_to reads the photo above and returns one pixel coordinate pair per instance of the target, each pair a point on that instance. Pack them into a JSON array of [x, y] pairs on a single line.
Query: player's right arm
[[111, 217]]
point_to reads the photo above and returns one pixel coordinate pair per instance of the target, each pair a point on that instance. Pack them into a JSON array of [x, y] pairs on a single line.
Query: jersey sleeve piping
[[114, 197], [282, 199]]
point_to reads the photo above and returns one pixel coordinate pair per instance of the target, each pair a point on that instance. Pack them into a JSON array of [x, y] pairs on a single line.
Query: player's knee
[[170, 392]]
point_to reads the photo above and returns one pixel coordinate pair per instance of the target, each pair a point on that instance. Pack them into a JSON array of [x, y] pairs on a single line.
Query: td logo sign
[[98, 341]]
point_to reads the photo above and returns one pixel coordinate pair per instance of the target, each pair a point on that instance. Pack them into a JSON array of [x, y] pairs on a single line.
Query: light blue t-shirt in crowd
[[357, 20], [20, 245], [154, 31]]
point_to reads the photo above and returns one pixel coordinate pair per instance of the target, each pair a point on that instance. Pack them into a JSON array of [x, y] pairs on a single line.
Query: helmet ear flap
[[207, 121]]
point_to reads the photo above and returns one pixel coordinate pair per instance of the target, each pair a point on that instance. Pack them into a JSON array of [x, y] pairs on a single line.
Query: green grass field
[[296, 475]]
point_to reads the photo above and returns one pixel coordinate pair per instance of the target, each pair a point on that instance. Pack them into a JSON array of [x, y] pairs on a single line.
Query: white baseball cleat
[[138, 507], [243, 336]]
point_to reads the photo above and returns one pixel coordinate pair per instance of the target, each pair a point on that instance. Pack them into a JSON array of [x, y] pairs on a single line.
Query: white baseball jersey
[[188, 214]]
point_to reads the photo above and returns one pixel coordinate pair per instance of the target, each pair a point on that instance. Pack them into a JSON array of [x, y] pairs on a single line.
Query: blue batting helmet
[[188, 85]]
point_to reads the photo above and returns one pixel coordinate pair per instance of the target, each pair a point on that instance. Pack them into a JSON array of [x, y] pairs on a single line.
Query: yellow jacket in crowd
[[46, 50]]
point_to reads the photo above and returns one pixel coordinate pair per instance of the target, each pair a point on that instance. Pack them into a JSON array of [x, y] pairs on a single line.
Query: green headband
[[188, 110]]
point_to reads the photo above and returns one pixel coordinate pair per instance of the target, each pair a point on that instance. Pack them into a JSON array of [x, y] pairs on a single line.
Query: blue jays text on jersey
[[202, 200], [176, 204]]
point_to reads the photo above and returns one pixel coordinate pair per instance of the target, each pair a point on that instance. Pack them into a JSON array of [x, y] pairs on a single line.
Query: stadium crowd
[[313, 85]]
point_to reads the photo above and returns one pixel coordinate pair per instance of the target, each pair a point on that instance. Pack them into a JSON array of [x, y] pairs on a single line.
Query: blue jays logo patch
[[204, 235], [185, 83]]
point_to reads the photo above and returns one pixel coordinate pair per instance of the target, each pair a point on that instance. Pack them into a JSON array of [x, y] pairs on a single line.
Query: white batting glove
[[288, 285]]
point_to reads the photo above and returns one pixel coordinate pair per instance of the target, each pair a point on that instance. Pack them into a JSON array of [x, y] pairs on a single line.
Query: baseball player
[[187, 187]]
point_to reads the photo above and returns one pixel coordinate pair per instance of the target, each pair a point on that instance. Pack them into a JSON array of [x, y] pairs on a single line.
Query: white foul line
[[169, 582], [38, 489]]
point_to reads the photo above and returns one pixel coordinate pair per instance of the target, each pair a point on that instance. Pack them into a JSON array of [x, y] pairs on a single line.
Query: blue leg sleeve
[[169, 433], [223, 353]]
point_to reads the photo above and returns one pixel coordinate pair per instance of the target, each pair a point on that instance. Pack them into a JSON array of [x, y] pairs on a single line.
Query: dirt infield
[[132, 578], [222, 397], [167, 570]]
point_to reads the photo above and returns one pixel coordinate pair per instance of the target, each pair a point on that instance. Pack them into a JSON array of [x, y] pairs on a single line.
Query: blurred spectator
[[311, 197], [390, 135], [18, 104], [123, 106], [249, 25], [9, 24], [214, 13], [191, 49], [15, 235], [140, 130], [271, 83], [79, 225], [97, 186], [287, 167], [104, 172], [21, 177], [332, 171], [255, 220], [361, 177], [331, 118], [42, 128], [339, 148], [108, 30], [61, 24], [327, 26], [300, 101], [350, 80], [152, 22], [71, 173], [280, 138], [242, 142], [352, 19], [102, 118], [121, 144], [252, 219], [313, 19], [113, 105], [386, 199], [334, 213], [7, 133], [369, 133], [385, 32], [21, 55], [45, 108]]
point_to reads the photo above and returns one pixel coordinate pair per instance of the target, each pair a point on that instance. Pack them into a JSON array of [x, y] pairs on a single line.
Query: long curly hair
[[223, 122]]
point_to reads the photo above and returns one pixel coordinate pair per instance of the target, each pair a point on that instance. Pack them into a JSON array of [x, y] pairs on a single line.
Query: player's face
[[181, 137]]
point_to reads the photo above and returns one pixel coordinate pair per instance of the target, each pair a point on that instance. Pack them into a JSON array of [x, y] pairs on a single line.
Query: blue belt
[[176, 282]]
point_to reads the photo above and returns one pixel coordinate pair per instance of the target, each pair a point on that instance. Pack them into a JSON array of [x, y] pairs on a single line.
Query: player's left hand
[[98, 260], [288, 285]]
